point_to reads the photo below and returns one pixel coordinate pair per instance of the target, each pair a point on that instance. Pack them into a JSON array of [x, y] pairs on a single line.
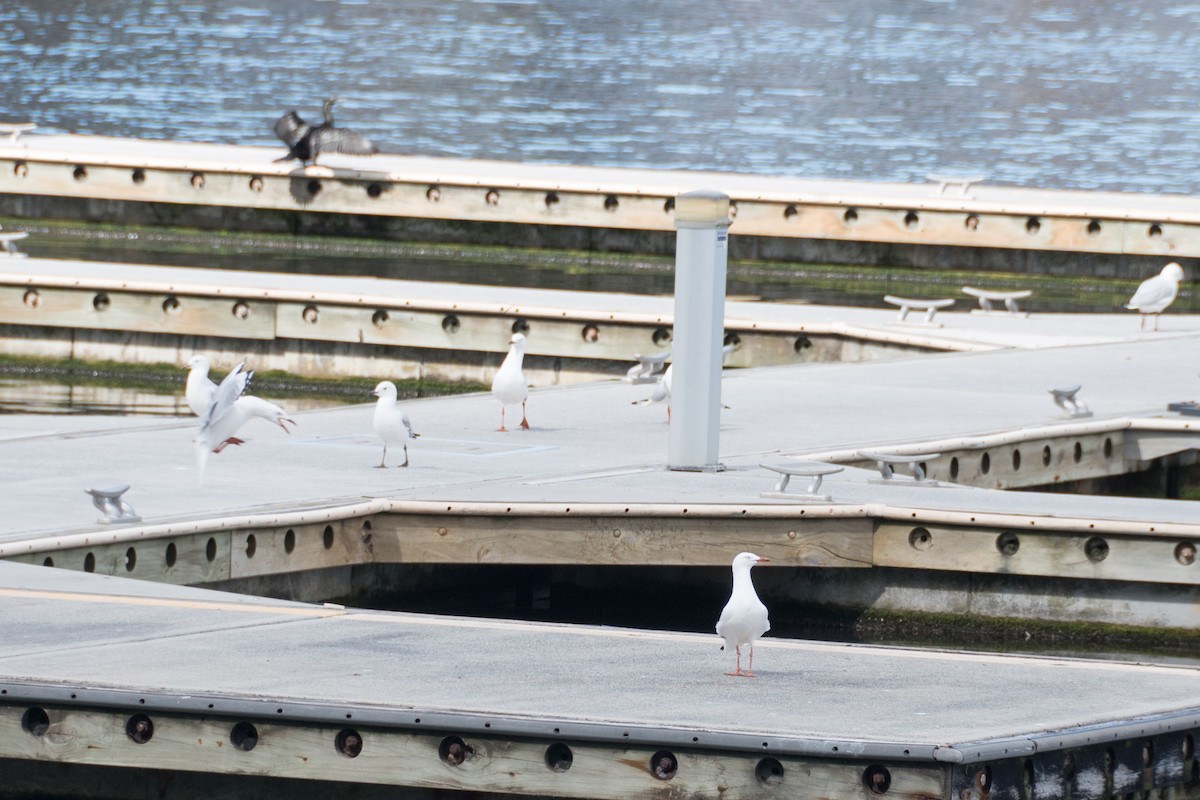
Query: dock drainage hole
[[197, 180], [1096, 549], [450, 323], [244, 736], [1093, 228], [240, 311], [170, 305], [1033, 225], [1046, 454], [1008, 543], [769, 772], [433, 194], [1016, 460], [210, 550], [790, 212], [35, 721], [1108, 448], [559, 757], [139, 729], [971, 223], [877, 779], [732, 340], [954, 468], [850, 217], [1185, 554], [1154, 231], [1078, 452], [32, 298], [660, 336], [251, 546], [802, 343], [349, 742], [80, 173], [20, 169], [985, 464], [314, 188], [101, 301], [611, 202], [453, 750], [379, 318], [492, 198], [664, 765], [327, 537], [551, 199], [590, 334], [374, 190], [310, 314], [912, 219], [669, 205], [138, 176], [47, 562], [172, 554], [256, 184], [289, 541], [521, 325], [89, 562], [130, 559], [920, 538]]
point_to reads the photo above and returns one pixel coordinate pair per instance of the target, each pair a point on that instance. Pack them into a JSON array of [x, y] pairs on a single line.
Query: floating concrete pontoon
[[128, 683], [438, 199]]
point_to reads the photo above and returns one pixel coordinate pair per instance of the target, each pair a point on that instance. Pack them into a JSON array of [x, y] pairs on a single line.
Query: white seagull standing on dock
[[228, 410], [391, 422], [509, 385], [744, 617], [1156, 293]]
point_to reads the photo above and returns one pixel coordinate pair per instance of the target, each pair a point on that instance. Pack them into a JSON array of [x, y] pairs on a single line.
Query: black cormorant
[[306, 141]]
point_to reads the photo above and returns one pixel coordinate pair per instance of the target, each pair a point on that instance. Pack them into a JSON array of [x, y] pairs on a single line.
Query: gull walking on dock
[[391, 422], [744, 617], [1156, 293], [509, 385]]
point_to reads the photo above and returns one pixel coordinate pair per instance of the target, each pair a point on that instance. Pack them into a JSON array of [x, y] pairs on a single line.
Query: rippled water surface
[[1101, 95]]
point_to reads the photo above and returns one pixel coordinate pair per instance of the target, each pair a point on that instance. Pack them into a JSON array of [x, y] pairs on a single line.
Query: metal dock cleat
[[986, 297], [114, 507], [814, 470], [886, 462], [930, 307]]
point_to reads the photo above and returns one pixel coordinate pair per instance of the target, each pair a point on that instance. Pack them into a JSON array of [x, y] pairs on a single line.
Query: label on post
[[722, 238]]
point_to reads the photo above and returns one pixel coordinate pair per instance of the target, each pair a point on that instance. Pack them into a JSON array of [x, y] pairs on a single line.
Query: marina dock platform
[[588, 486], [127, 684], [950, 222]]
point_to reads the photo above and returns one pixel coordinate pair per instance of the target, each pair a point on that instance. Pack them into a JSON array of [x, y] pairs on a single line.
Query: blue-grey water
[[1099, 95]]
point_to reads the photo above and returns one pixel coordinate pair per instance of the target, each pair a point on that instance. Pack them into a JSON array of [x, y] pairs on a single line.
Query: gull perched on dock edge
[[744, 617], [1156, 293], [391, 422], [229, 410], [509, 385]]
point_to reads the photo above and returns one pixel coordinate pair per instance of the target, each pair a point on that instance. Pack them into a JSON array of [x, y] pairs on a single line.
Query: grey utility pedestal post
[[701, 253]]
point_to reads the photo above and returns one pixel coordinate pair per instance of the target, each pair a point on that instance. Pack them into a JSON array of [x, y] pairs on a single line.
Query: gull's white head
[[198, 362], [747, 560], [518, 339], [1173, 272], [385, 389]]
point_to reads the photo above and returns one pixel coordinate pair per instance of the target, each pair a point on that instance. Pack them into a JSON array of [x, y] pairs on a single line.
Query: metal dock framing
[[431, 199], [127, 685]]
